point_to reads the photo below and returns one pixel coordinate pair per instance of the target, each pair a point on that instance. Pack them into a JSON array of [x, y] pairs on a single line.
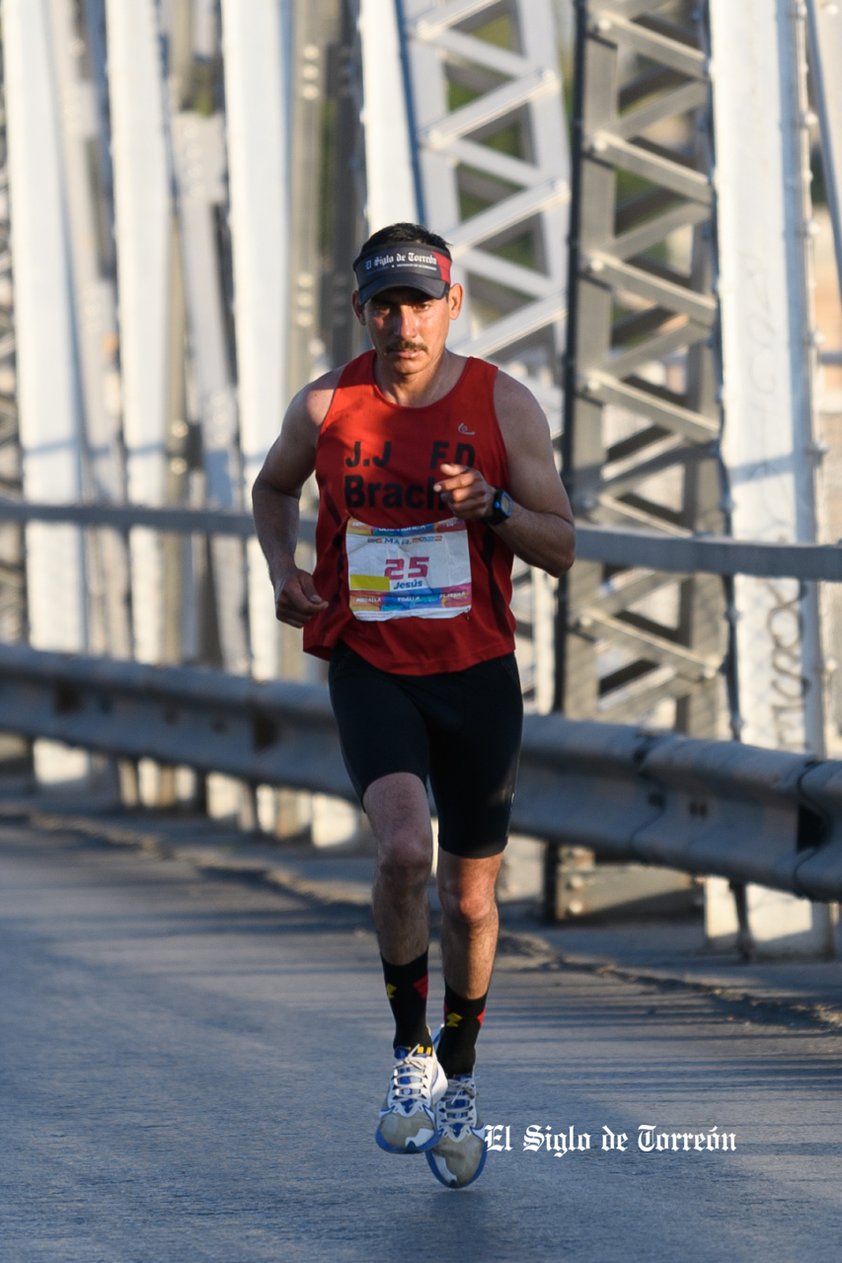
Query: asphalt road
[[190, 1070]]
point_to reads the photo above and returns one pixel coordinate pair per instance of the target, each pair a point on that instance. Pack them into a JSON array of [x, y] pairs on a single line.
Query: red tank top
[[377, 462]]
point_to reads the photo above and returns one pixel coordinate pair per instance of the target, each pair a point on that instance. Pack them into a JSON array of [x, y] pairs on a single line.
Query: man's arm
[[275, 501], [541, 529]]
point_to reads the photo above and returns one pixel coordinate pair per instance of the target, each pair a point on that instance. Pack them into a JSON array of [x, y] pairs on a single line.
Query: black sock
[[406, 987], [462, 1022]]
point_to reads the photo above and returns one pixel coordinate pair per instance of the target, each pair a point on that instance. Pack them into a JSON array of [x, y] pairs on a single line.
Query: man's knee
[[470, 906], [467, 888], [400, 819], [405, 858]]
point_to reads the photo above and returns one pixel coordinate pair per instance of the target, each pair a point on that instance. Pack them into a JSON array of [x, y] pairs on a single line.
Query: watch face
[[501, 508]]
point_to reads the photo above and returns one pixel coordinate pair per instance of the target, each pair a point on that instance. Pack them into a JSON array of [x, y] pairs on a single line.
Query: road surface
[[191, 1070]]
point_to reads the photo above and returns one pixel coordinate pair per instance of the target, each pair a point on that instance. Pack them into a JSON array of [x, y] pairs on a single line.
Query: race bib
[[415, 572]]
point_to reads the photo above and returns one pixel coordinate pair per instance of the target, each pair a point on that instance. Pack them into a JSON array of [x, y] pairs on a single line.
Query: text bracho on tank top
[[410, 572]]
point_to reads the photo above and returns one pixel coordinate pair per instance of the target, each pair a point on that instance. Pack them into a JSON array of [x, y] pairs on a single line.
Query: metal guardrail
[[278, 733], [705, 807], [713, 808]]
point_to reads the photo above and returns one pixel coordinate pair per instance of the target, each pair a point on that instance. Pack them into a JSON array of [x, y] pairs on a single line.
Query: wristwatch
[[501, 508]]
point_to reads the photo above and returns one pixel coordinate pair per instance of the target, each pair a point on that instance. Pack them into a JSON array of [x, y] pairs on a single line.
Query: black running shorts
[[460, 731]]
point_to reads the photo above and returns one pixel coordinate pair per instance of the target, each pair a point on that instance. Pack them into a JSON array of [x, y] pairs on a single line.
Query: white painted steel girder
[[143, 218], [763, 211], [769, 361], [256, 48], [48, 384], [199, 163], [97, 346], [48, 379], [389, 165]]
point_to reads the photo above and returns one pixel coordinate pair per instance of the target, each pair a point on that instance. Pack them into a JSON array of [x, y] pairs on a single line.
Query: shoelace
[[411, 1079], [457, 1108]]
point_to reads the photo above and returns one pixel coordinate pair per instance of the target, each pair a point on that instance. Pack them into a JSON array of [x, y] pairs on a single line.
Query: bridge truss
[[190, 289], [642, 413]]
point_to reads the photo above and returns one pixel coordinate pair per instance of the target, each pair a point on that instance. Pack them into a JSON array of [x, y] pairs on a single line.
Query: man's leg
[[397, 809], [399, 816], [385, 747], [469, 942], [473, 770], [396, 806], [470, 924]]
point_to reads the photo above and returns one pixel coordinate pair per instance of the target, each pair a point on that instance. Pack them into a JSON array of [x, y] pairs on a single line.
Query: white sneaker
[[458, 1158], [408, 1117]]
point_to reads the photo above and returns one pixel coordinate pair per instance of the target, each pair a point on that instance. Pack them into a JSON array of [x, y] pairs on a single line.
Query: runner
[[433, 471]]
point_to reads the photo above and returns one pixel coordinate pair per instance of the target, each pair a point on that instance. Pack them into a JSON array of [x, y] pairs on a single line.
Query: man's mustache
[[401, 345]]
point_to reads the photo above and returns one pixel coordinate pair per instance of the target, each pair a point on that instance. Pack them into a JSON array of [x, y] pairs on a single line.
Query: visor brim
[[431, 286]]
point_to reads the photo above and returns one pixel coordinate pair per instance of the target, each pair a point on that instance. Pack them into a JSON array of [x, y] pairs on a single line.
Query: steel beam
[[195, 131], [48, 383], [641, 418], [143, 214], [391, 193], [769, 356], [256, 47], [80, 84]]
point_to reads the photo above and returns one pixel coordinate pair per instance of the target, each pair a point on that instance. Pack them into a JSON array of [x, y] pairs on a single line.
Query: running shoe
[[408, 1117], [458, 1157]]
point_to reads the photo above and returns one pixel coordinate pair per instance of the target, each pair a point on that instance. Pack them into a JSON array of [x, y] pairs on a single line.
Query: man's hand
[[296, 599], [465, 492]]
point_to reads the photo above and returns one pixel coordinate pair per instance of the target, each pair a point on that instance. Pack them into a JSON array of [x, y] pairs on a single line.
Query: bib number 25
[[407, 568]]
